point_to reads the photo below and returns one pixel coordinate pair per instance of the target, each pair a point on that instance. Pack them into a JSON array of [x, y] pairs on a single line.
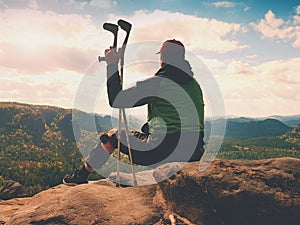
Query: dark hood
[[180, 74]]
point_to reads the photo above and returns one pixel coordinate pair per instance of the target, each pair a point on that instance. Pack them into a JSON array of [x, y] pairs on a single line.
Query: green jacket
[[174, 99]]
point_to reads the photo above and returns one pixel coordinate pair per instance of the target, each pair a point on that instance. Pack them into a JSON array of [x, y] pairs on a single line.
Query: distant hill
[[249, 128], [264, 128], [293, 120], [290, 121]]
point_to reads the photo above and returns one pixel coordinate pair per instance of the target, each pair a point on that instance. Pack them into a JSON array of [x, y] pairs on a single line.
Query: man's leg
[[96, 159], [146, 149], [141, 149], [154, 150]]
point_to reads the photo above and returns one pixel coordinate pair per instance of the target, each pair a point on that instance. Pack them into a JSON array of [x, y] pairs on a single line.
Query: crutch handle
[[101, 58]]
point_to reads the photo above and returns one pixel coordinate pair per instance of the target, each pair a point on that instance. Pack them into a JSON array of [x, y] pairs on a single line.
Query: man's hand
[[111, 56]]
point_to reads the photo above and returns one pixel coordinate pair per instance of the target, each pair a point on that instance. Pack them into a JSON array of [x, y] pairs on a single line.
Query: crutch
[[114, 29], [126, 27]]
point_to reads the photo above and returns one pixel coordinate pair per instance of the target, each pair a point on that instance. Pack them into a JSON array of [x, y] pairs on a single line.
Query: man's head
[[172, 51]]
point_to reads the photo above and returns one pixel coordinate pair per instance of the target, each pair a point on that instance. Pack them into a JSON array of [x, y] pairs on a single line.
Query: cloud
[[278, 29], [23, 90], [55, 88], [298, 10], [103, 4], [78, 6], [225, 4], [241, 6], [265, 89], [282, 84], [284, 72], [198, 34], [247, 8], [32, 4], [239, 68], [251, 57], [38, 42], [46, 59], [297, 16], [35, 27]]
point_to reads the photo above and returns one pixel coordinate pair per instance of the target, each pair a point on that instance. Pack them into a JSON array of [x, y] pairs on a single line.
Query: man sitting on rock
[[175, 127]]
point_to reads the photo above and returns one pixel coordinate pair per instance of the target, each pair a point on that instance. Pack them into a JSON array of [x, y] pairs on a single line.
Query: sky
[[251, 48]]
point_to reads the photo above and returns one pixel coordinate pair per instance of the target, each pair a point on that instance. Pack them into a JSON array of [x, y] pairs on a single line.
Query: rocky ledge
[[258, 192]]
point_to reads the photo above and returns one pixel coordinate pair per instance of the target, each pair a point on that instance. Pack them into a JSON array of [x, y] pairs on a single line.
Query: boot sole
[[71, 184]]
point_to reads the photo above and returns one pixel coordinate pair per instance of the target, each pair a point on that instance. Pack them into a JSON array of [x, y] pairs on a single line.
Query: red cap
[[173, 45]]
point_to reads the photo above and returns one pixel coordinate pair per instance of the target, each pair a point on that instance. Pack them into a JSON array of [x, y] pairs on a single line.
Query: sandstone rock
[[259, 192], [237, 192], [12, 189], [95, 203], [9, 207]]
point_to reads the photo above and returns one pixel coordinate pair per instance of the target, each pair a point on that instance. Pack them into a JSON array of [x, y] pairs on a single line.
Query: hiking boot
[[79, 177]]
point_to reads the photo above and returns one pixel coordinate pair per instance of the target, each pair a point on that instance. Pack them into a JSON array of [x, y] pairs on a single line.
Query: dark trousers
[[153, 150]]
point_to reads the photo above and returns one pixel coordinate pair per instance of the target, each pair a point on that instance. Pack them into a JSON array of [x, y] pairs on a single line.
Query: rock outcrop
[[12, 189], [227, 192], [258, 192]]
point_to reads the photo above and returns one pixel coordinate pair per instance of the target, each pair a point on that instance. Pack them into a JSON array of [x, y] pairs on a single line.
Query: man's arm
[[140, 94]]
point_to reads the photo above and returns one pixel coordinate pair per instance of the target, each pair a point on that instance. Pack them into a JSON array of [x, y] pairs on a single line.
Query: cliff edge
[[227, 192]]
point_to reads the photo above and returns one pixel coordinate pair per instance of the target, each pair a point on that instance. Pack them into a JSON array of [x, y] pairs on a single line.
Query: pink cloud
[[196, 32], [276, 28], [29, 91], [45, 59], [36, 42], [225, 4], [265, 89]]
